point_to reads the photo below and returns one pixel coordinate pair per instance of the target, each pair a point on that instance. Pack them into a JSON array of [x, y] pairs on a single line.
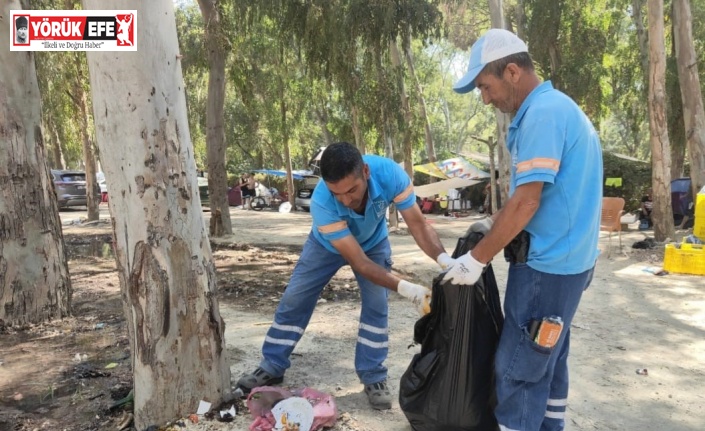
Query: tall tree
[[660, 146], [694, 115], [218, 46], [164, 260], [34, 278], [503, 120], [428, 135], [80, 98], [405, 124]]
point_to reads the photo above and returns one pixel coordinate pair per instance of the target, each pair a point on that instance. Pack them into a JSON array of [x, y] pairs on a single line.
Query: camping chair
[[610, 221]]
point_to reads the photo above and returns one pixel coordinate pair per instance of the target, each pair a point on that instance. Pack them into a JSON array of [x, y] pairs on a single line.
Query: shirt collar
[[542, 88]]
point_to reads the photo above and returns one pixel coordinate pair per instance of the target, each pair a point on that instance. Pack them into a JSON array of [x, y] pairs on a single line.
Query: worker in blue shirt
[[349, 228], [555, 198]]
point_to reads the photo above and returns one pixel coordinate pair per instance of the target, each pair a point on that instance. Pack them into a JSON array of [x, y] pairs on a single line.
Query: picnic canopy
[[457, 167], [279, 173], [440, 187]]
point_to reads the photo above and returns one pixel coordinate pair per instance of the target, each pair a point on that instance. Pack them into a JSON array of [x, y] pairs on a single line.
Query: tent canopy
[[279, 173], [456, 167], [433, 189]]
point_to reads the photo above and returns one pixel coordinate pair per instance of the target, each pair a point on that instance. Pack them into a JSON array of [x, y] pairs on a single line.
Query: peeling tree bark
[[694, 114], [162, 250], [662, 214], [34, 278]]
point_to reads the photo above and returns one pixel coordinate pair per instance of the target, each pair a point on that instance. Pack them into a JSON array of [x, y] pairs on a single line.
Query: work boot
[[258, 378], [379, 396]]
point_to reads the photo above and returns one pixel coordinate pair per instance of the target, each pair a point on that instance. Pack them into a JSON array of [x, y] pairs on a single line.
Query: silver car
[[303, 195], [70, 187]]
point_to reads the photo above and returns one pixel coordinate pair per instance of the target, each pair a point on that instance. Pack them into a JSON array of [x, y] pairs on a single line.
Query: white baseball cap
[[495, 44]]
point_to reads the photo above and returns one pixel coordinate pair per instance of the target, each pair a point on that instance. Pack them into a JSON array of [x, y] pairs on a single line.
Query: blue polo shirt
[[332, 220], [551, 140]]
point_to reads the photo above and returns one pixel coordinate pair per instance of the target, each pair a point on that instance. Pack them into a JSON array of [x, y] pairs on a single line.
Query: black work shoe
[[258, 378], [379, 396]]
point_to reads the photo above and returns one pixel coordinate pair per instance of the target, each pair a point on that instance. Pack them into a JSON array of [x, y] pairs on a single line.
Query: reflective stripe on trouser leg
[[373, 333], [315, 268], [554, 419], [524, 370]]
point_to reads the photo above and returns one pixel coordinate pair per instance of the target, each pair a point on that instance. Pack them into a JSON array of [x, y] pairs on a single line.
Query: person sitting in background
[[247, 191], [647, 205]]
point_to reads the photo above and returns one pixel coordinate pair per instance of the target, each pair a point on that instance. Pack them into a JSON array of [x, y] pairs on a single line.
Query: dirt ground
[[65, 375]]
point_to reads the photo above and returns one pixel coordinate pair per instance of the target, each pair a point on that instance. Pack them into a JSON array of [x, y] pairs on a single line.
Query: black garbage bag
[[450, 384]]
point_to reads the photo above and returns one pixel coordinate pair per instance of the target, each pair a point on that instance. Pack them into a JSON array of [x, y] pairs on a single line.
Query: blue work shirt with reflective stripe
[[551, 140], [387, 183]]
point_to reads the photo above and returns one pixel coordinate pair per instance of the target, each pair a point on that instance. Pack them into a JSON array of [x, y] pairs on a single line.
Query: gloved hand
[[445, 261], [483, 226], [420, 295], [466, 270]]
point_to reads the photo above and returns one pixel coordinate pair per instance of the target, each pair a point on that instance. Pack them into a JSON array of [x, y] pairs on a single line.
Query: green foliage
[[636, 179], [324, 57]]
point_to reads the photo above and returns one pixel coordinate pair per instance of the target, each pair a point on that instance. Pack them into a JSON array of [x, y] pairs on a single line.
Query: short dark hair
[[521, 59], [339, 160]]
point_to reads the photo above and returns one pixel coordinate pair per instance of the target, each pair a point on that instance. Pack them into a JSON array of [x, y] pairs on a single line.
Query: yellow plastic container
[[699, 227], [688, 259]]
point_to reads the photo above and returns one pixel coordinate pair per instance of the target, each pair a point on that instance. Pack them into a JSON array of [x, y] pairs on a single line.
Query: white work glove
[[466, 270], [445, 261], [419, 295], [483, 226]]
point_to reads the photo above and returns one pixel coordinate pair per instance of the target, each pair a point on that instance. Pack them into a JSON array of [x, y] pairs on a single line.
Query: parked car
[[303, 195], [70, 187]]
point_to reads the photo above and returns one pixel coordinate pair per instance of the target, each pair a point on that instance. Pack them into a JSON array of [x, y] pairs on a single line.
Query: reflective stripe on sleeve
[[405, 194], [540, 163], [333, 227]]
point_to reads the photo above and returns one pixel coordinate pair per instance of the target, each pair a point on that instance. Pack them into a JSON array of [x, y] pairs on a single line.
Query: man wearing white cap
[[555, 197]]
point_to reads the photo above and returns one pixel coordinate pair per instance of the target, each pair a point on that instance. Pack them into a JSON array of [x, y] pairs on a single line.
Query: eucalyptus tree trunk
[[163, 255], [405, 108], [387, 133], [57, 156], [322, 117], [520, 15], [642, 36], [216, 44], [284, 126], [662, 214], [503, 120], [674, 110], [34, 276], [430, 147], [81, 99], [357, 130], [694, 114]]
